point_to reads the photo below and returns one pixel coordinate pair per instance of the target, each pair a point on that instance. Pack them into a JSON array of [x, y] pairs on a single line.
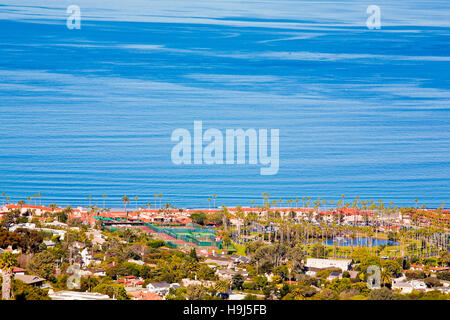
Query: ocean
[[90, 111]]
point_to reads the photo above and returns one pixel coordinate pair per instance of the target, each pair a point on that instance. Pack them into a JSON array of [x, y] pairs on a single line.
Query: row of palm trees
[[380, 215], [37, 198], [307, 232], [125, 199], [214, 201]]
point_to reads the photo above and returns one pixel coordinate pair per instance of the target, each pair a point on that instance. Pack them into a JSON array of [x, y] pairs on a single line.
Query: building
[[86, 257], [343, 264], [191, 282], [402, 285], [49, 243], [220, 262], [131, 281], [74, 295], [30, 279], [236, 296], [18, 271], [161, 288], [334, 275], [139, 262], [240, 259], [226, 274], [144, 295], [418, 285], [26, 208]]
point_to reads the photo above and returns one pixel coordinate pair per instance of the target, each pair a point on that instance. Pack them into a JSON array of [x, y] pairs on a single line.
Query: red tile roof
[[143, 295]]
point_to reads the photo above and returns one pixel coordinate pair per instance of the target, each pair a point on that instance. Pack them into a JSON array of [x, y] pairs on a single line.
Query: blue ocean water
[[90, 112]]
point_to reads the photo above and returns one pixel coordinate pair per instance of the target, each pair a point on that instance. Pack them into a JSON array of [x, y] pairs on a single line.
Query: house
[[49, 243], [32, 280], [96, 237], [56, 224], [220, 261], [445, 290], [161, 288], [310, 273], [13, 251], [418, 285], [334, 275], [408, 287], [27, 225], [34, 209], [402, 285], [314, 263], [236, 296], [226, 274], [144, 295], [86, 257], [98, 272], [78, 245], [239, 259], [190, 282], [432, 269], [139, 262], [18, 271], [131, 281]]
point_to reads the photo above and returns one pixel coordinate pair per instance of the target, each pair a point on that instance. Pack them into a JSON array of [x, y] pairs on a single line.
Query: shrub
[[381, 294], [156, 243], [249, 285], [415, 274], [432, 282], [445, 275]]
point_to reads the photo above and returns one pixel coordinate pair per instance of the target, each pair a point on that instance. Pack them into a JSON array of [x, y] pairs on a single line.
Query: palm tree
[[209, 203], [155, 196], [21, 203], [90, 198], [385, 278], [136, 199], [352, 239], [7, 263], [104, 198], [125, 201], [40, 198], [214, 200], [222, 286], [3, 195], [160, 197]]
